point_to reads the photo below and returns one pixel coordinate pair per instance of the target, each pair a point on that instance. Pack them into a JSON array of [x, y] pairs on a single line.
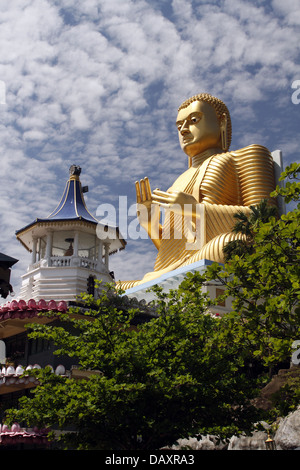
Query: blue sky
[[98, 83]]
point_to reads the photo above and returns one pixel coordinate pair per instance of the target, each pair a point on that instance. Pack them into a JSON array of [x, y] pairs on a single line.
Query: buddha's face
[[198, 128]]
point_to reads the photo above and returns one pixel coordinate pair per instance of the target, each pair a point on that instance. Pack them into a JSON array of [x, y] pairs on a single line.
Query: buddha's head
[[203, 122]]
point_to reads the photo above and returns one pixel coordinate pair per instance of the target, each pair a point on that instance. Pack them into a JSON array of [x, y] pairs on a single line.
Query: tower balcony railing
[[60, 261], [68, 261], [73, 261]]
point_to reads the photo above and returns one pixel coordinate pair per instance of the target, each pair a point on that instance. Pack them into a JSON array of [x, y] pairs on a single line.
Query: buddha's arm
[[216, 184], [216, 219], [176, 201]]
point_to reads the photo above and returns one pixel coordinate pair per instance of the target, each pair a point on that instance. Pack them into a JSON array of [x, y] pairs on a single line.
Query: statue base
[[173, 279]]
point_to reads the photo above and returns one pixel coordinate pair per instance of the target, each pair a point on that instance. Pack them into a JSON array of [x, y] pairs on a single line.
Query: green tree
[[246, 225], [150, 383], [291, 190], [265, 282]]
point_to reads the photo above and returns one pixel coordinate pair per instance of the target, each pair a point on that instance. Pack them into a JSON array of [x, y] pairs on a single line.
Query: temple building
[[70, 250], [6, 263]]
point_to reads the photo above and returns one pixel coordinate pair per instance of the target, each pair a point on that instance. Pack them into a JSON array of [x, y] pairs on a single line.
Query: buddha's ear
[[223, 129]]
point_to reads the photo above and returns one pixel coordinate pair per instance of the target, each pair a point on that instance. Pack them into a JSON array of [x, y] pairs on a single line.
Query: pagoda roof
[[71, 208], [72, 204]]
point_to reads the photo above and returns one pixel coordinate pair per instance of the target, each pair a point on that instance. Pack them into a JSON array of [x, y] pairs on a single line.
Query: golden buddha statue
[[200, 205]]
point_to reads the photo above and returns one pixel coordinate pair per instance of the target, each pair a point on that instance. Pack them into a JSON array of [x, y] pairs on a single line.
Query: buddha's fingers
[[143, 190], [160, 193], [138, 192], [147, 187], [161, 204]]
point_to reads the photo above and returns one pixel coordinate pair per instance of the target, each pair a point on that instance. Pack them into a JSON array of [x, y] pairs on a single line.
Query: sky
[[97, 83]]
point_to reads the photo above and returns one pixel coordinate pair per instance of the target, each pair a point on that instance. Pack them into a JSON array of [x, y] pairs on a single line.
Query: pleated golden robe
[[223, 184]]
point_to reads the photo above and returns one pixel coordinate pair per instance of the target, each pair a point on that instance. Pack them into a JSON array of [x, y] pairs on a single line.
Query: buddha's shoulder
[[246, 155], [253, 150]]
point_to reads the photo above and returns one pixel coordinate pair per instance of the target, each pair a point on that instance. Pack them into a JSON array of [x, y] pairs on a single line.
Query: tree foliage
[[246, 225], [169, 377], [265, 283]]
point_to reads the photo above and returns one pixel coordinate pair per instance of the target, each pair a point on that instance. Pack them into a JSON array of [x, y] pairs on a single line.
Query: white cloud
[[34, 135], [289, 9], [79, 119]]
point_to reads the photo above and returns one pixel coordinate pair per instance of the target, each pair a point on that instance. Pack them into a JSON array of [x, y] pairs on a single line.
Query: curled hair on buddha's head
[[218, 106]]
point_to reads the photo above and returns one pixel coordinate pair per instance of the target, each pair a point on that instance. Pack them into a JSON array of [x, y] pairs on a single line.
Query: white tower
[[70, 249]]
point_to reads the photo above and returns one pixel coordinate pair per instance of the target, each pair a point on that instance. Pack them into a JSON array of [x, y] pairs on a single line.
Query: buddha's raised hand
[[147, 212]]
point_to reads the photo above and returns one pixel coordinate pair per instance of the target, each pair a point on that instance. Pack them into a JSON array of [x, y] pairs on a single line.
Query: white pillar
[[106, 247], [49, 247], [100, 250], [76, 244], [33, 255], [39, 249]]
